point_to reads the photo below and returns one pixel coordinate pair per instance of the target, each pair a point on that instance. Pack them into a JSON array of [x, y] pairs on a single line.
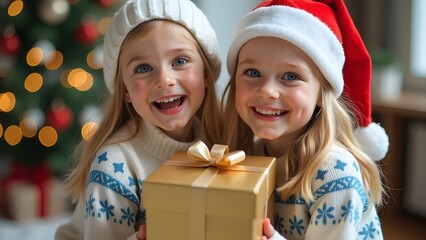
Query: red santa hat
[[324, 30]]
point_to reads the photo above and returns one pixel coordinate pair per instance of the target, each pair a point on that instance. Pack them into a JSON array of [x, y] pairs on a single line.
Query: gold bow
[[218, 156]]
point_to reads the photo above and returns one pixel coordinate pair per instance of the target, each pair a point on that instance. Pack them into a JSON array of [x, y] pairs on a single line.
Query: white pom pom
[[373, 140]]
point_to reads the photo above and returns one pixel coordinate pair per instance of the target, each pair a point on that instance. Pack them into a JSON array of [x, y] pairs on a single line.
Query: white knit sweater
[[112, 207], [341, 208]]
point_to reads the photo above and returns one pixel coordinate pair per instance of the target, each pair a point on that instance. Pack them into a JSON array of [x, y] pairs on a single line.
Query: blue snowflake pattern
[[325, 213], [118, 167], [107, 209], [321, 174], [368, 231], [348, 211], [279, 223], [356, 216], [277, 197], [131, 181], [378, 224], [378, 221], [103, 157], [128, 215], [89, 205], [141, 215], [340, 165], [297, 224]]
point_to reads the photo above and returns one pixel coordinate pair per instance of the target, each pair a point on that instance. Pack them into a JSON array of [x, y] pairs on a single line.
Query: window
[[418, 39], [407, 34]]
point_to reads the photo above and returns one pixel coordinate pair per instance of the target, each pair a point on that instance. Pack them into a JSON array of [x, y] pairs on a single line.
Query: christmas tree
[[50, 77]]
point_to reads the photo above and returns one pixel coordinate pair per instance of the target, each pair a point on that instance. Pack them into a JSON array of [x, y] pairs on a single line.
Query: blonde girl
[[289, 61], [161, 61]]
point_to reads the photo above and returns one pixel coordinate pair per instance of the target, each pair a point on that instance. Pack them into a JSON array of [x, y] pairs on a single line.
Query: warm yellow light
[[87, 84], [34, 56], [48, 136], [15, 8], [77, 77], [28, 127], [55, 60], [103, 24], [33, 82], [91, 61], [88, 130], [13, 135], [1, 130], [64, 78], [7, 102]]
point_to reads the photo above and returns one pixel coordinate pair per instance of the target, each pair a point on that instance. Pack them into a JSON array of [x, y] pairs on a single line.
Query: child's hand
[[269, 231], [141, 234]]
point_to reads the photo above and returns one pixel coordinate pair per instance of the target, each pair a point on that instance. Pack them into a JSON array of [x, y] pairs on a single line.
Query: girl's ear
[[126, 95], [319, 102], [206, 79]]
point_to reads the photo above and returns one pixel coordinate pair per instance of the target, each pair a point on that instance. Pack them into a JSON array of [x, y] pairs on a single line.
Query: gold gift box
[[231, 205]]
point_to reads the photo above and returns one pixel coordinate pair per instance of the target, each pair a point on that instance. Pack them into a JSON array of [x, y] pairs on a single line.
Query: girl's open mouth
[[169, 103]]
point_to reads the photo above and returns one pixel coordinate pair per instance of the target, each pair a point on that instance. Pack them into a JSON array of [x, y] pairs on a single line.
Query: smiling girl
[[290, 61], [161, 61]]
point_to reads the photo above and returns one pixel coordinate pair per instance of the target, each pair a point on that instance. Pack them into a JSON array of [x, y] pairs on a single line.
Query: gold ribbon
[[214, 160], [219, 157]]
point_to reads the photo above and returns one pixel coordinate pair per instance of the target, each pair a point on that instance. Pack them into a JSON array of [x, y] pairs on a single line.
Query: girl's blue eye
[[179, 61], [253, 73], [290, 76], [144, 68]]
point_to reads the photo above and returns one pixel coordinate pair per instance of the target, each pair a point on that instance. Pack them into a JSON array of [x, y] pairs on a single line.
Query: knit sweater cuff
[[276, 236]]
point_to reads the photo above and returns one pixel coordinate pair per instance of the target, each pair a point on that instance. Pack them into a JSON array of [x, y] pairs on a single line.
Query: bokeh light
[[13, 135], [55, 60], [77, 77], [48, 136], [15, 8], [28, 127], [33, 82], [7, 102], [34, 56], [64, 78], [88, 130], [103, 24], [92, 61], [87, 84]]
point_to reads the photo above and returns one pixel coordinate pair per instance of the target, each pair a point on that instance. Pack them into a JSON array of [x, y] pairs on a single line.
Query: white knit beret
[[135, 12]]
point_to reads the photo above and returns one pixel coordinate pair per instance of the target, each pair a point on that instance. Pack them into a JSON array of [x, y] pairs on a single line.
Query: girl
[[161, 60], [287, 62]]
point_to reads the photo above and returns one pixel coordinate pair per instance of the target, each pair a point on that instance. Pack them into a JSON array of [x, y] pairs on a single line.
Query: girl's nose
[[268, 90], [165, 79]]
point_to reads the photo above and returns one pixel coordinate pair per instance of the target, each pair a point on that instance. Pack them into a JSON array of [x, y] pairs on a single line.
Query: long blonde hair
[[119, 112], [333, 123]]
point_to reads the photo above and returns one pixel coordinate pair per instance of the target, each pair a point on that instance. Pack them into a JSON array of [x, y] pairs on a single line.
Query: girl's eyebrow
[[141, 57], [292, 65], [247, 61], [136, 58]]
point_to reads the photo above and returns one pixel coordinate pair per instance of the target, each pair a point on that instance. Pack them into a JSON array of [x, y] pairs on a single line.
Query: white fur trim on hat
[[135, 12], [373, 140], [298, 27]]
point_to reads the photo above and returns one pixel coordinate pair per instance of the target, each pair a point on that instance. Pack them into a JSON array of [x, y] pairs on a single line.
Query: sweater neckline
[[161, 146]]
